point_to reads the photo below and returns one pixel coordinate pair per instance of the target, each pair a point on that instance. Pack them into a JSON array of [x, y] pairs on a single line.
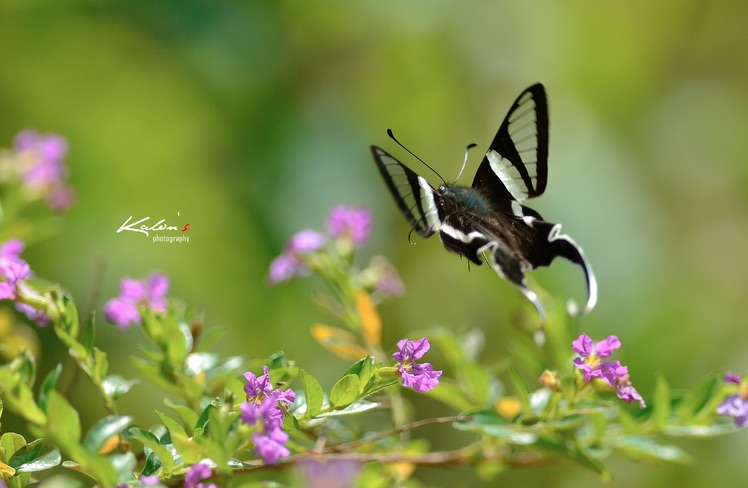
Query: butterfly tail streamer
[[558, 244]]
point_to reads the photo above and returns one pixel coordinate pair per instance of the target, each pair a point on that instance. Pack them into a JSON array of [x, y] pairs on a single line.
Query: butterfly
[[489, 219]]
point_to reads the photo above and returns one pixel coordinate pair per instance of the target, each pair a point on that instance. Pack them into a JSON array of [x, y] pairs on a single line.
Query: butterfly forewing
[[515, 166], [417, 200]]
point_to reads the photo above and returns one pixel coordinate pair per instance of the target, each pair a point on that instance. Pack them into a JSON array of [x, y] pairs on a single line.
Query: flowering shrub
[[231, 421]]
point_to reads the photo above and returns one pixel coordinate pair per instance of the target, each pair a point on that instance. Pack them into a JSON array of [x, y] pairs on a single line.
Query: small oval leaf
[[345, 391], [313, 393]]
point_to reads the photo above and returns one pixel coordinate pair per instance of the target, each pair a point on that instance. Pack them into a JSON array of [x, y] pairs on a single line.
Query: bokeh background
[[252, 119]]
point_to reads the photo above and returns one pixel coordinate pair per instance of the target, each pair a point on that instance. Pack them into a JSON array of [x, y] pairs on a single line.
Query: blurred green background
[[251, 120]]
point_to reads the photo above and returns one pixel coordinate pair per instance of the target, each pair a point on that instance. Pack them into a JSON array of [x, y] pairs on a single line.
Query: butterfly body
[[488, 221]]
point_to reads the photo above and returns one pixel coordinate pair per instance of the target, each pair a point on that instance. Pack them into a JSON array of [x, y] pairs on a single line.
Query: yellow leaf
[[371, 323], [340, 342], [508, 407], [110, 445]]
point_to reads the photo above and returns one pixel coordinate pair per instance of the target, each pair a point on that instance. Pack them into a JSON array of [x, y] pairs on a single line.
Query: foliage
[[536, 407]]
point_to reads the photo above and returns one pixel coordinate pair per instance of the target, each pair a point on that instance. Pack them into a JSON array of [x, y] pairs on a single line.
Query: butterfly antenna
[[392, 136], [464, 163]]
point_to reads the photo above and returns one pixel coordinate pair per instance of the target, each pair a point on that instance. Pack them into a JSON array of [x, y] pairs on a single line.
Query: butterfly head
[[469, 198]]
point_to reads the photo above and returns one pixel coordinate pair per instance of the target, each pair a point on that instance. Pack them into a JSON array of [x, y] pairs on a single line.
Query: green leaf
[[41, 461], [88, 331], [77, 349], [68, 324], [187, 449], [367, 369], [24, 367], [38, 455], [152, 371], [19, 398], [313, 393], [520, 389], [100, 364], [63, 420], [205, 416], [49, 384], [472, 378], [103, 430], [363, 368], [10, 442], [64, 429], [661, 403], [200, 362], [487, 422], [277, 361], [646, 448], [152, 465], [380, 385], [352, 409], [699, 430], [124, 464], [697, 397], [186, 414], [577, 455], [151, 441], [115, 386], [171, 425], [345, 391]]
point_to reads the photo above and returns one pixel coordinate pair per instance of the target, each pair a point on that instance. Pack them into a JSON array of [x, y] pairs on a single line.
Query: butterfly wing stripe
[[416, 199], [428, 205], [509, 175], [516, 162]]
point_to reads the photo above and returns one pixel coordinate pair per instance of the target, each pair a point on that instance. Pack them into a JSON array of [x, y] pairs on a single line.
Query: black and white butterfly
[[489, 219]]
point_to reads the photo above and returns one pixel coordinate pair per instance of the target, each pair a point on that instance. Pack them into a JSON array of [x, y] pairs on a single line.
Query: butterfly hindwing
[[515, 166], [415, 197]]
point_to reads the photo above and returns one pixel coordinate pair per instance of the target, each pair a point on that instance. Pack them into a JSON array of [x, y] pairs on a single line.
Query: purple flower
[[150, 293], [263, 410], [626, 391], [197, 473], [731, 377], [349, 223], [306, 241], [270, 445], [156, 289], [420, 377], [40, 317], [12, 249], [611, 372], [13, 269], [290, 262], [148, 480], [590, 358], [282, 268], [43, 167], [259, 387], [329, 474], [266, 415], [736, 405]]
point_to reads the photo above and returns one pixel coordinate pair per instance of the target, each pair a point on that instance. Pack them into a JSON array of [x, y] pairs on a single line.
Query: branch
[[413, 425]]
